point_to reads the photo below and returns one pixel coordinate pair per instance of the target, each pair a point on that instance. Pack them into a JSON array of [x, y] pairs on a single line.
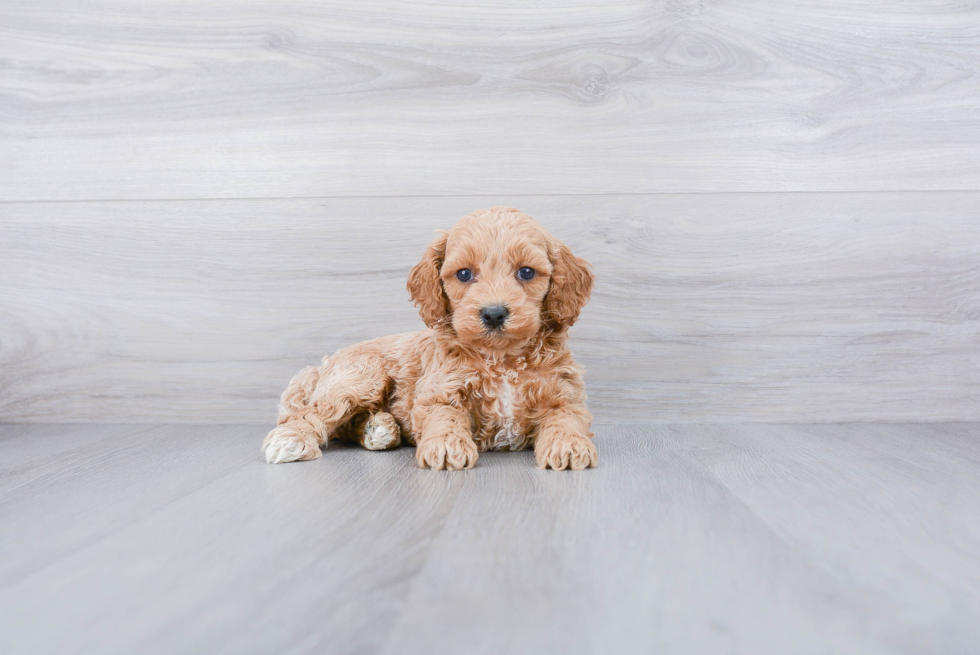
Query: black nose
[[494, 316]]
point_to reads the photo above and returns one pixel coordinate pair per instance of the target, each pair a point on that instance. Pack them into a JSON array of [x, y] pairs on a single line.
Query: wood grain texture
[[721, 307], [699, 538], [117, 99]]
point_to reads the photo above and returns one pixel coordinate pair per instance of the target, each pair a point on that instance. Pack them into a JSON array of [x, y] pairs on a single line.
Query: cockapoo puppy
[[493, 371]]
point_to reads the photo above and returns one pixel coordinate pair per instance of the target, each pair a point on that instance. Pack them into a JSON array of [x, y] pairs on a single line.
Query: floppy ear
[[425, 285], [571, 286]]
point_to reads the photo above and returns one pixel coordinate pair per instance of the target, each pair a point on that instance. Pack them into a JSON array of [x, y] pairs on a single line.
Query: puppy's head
[[498, 278]]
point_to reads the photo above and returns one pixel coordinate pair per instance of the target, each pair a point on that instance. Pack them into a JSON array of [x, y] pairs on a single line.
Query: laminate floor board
[[650, 555], [742, 538], [93, 489], [888, 510], [29, 450], [319, 552]]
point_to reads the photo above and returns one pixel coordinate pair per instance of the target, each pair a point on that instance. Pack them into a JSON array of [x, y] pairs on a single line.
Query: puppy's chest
[[500, 405]]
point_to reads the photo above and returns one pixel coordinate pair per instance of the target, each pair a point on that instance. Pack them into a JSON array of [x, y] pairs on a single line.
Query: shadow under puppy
[[493, 371]]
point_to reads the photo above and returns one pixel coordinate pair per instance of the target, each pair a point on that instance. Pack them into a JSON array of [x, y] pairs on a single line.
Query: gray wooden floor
[[687, 539]]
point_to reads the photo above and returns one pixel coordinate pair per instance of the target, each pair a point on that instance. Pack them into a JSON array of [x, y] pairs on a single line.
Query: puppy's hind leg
[[300, 433], [380, 432], [320, 399]]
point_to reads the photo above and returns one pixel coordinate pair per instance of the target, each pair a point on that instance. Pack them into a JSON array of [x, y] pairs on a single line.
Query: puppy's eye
[[464, 275], [525, 273]]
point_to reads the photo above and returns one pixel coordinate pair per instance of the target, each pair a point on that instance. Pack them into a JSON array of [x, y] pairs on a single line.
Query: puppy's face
[[498, 278], [495, 274]]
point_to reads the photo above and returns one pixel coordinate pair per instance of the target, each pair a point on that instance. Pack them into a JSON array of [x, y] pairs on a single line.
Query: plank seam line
[[493, 195]]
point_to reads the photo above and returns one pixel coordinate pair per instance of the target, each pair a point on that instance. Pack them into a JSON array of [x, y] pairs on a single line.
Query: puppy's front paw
[[569, 451], [287, 444], [450, 452]]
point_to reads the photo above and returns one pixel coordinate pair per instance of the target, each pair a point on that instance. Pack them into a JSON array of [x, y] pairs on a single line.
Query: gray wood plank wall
[[781, 200], [189, 99]]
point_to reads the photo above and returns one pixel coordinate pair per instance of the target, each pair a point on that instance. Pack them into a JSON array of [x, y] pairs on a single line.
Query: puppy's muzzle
[[494, 316]]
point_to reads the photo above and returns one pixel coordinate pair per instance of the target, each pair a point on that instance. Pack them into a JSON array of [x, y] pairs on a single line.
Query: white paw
[[286, 444], [381, 432]]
